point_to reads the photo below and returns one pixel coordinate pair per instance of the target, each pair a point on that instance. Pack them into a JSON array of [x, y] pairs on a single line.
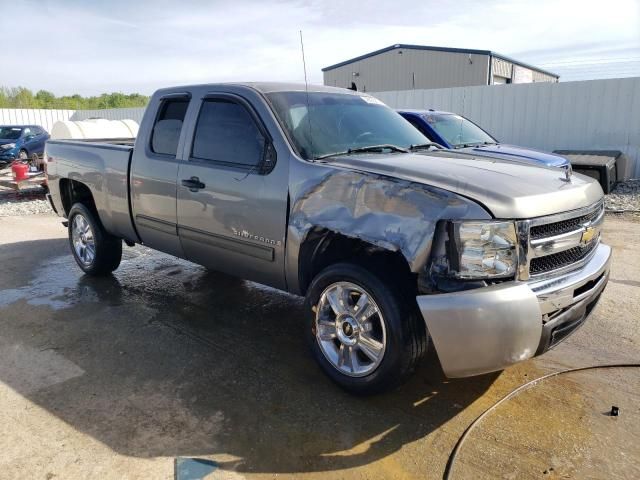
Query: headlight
[[483, 249], [8, 146]]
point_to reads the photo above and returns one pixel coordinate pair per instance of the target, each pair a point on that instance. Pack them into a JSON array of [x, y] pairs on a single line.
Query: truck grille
[[560, 260], [557, 243], [564, 226]]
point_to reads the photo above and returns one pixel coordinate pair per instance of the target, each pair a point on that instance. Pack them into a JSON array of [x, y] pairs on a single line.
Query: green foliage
[[20, 97]]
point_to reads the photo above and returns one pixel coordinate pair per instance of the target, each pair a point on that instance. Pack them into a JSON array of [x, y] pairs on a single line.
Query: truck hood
[[514, 152], [507, 189]]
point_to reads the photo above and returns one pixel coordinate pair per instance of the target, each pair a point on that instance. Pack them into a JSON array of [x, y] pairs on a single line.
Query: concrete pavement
[[117, 377]]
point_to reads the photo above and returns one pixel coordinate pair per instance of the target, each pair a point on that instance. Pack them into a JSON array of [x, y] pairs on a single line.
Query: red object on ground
[[20, 171]]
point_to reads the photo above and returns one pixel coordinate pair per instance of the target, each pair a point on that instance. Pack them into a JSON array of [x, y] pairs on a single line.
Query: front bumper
[[488, 329]]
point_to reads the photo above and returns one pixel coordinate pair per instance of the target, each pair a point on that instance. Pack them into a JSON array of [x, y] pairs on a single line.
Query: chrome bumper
[[488, 329]]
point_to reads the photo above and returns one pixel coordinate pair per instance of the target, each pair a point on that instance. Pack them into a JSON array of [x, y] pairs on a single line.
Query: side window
[[227, 133], [166, 130]]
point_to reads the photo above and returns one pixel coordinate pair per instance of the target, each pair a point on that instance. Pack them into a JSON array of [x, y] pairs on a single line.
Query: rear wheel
[[96, 252], [366, 336]]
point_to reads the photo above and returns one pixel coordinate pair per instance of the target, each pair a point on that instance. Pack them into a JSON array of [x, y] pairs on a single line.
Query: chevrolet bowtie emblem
[[588, 235]]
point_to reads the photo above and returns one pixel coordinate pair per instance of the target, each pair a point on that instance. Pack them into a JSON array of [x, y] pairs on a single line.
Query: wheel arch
[[73, 191], [323, 247]]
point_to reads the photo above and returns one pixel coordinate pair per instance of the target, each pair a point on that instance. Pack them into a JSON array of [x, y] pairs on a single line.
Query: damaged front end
[[393, 215], [491, 305], [482, 310]]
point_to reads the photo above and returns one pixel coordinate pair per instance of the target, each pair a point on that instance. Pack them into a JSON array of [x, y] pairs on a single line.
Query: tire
[[395, 326], [23, 155], [106, 253]]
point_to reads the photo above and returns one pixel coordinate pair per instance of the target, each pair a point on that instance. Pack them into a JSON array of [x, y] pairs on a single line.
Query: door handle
[[193, 184]]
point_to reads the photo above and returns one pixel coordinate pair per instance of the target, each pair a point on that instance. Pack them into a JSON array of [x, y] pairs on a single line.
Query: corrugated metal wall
[[411, 69], [32, 116], [46, 118], [594, 114]]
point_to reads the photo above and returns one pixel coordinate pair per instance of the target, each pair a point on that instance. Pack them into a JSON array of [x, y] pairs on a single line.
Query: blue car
[[21, 142], [457, 132]]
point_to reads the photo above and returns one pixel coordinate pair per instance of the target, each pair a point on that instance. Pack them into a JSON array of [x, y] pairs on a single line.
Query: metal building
[[407, 67]]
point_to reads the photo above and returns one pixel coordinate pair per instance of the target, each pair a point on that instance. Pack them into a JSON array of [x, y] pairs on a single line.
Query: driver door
[[232, 215]]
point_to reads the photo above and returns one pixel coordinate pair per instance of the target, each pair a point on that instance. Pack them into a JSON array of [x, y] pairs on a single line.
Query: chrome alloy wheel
[[83, 241], [350, 329]]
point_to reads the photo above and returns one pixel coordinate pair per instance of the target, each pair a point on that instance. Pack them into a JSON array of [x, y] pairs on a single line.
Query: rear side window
[[227, 133], [166, 130]]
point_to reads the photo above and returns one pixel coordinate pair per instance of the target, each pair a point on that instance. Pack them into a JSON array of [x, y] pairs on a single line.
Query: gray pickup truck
[[330, 194]]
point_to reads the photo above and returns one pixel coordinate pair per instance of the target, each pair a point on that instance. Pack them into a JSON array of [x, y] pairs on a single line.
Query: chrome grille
[[564, 226], [560, 260], [558, 243]]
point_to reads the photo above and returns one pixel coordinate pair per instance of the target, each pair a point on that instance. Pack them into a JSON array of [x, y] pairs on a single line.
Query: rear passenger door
[[232, 214], [154, 172]]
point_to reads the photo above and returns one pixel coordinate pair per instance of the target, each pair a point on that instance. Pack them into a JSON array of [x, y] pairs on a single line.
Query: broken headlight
[[483, 249]]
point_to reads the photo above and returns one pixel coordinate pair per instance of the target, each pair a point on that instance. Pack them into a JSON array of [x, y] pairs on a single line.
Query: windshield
[[458, 131], [334, 122], [10, 133]]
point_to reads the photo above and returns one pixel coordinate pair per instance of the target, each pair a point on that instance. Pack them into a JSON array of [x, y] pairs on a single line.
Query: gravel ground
[[29, 201], [26, 202], [625, 197]]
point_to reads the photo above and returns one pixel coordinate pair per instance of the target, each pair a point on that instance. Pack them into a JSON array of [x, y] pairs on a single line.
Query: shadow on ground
[[167, 359]]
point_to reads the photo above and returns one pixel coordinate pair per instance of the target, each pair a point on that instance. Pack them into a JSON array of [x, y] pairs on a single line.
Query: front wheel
[[366, 335], [96, 252]]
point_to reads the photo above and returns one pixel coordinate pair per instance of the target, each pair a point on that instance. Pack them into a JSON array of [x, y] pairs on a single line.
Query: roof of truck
[[269, 87]]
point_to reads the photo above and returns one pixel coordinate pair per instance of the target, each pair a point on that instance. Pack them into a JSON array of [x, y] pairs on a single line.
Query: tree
[[45, 99], [20, 97]]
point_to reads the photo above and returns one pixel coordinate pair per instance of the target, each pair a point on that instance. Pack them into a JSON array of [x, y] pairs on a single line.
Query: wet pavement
[[128, 376]]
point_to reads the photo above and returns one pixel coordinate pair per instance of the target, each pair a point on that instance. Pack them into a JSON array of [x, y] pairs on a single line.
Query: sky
[[90, 47]]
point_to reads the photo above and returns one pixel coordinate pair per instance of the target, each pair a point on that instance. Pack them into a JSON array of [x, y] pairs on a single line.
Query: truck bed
[[103, 166]]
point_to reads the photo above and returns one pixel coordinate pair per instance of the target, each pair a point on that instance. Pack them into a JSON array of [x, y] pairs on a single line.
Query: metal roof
[[265, 87], [440, 49]]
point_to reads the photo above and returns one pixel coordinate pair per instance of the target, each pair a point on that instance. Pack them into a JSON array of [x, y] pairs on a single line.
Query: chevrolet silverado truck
[[330, 194]]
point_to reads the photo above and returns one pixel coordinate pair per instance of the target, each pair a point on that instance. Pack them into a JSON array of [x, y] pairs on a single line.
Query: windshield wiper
[[423, 146], [370, 148]]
